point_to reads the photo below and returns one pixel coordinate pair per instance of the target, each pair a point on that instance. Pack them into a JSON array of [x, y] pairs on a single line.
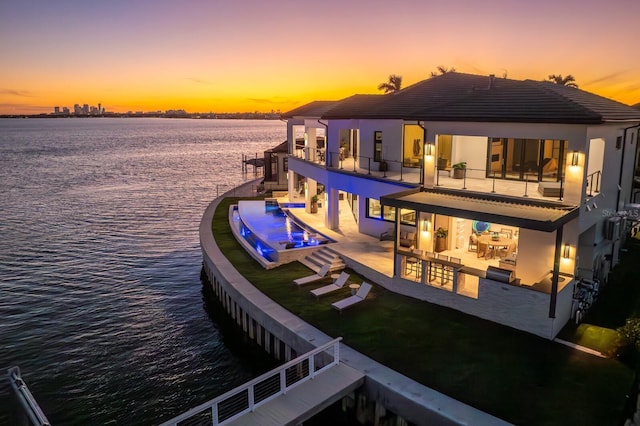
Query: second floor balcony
[[467, 179]]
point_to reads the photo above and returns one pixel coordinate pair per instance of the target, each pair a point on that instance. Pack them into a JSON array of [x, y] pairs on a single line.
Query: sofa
[[407, 238]]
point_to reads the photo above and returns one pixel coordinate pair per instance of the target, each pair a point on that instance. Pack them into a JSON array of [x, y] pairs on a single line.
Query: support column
[[425, 232], [332, 209], [554, 278], [311, 143], [310, 191], [396, 243], [574, 177], [291, 185], [429, 161]]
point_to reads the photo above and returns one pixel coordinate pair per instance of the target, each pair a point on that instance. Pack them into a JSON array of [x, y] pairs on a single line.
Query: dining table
[[494, 243]]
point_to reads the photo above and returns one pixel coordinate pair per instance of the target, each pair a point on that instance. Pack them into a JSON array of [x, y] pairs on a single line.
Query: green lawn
[[513, 375]]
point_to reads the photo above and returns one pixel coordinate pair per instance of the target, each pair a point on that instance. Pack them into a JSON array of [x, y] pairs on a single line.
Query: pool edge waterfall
[[270, 234]]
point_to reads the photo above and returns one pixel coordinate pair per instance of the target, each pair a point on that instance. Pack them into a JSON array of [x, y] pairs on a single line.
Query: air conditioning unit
[[612, 228]]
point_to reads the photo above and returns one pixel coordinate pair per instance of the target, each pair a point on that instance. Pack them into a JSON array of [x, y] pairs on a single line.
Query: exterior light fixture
[[425, 226], [574, 158], [566, 251], [428, 150]]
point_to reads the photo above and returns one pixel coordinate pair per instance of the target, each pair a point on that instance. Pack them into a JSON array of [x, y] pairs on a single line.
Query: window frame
[[377, 146]]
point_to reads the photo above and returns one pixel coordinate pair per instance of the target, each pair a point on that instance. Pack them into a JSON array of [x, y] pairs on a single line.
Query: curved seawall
[[284, 336]]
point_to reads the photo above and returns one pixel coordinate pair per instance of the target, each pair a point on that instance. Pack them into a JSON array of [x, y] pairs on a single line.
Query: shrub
[[630, 332]]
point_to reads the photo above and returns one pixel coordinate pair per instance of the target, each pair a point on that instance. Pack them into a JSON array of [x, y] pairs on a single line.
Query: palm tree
[[393, 85], [568, 81], [442, 70]]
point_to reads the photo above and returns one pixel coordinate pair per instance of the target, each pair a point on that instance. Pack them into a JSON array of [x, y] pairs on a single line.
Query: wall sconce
[[566, 251], [574, 158], [428, 150], [425, 226]]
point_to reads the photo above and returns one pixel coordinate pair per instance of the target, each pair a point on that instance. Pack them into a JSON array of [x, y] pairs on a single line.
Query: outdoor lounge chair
[[322, 273], [334, 286], [362, 293]]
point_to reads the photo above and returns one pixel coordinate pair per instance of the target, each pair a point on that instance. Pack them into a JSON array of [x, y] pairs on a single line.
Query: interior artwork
[[480, 227]]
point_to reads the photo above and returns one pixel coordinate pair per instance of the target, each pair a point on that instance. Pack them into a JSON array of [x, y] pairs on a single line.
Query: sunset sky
[[242, 55]]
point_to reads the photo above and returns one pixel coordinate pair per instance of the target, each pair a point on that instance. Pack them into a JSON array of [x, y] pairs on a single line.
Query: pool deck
[[350, 243]]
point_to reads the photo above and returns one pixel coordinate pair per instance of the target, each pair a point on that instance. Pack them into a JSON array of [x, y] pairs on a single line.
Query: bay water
[[101, 302]]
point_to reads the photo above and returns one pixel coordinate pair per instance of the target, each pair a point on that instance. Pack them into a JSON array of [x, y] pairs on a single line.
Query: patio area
[[374, 254], [363, 249]]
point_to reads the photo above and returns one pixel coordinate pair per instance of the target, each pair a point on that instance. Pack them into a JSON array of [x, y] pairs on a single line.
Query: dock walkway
[[305, 400]]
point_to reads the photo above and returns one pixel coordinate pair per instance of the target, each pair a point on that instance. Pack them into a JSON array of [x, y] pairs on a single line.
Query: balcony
[[474, 180]]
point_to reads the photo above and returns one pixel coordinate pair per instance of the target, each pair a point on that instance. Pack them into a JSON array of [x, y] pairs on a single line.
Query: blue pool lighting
[[268, 228]]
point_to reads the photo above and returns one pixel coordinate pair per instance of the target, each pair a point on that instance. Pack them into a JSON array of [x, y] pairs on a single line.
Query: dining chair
[[507, 232], [483, 250], [473, 242]]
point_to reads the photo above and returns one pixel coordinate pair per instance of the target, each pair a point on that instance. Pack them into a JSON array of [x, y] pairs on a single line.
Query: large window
[[375, 210], [444, 151], [377, 146], [412, 145], [525, 159]]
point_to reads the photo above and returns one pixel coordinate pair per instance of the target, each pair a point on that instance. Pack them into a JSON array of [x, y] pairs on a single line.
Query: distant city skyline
[[251, 56], [85, 109]]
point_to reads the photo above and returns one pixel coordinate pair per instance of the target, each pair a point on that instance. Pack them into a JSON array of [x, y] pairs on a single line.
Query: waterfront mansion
[[492, 196]]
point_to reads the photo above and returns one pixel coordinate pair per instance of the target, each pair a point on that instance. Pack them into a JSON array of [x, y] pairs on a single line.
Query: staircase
[[322, 256]]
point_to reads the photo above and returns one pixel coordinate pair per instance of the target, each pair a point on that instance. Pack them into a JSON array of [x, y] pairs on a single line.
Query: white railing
[[246, 398]]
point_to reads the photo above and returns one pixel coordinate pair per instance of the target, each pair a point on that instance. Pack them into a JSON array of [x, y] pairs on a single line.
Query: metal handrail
[[590, 185], [26, 399], [251, 395]]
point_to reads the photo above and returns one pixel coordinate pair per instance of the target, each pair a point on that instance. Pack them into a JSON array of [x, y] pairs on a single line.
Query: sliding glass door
[[525, 159]]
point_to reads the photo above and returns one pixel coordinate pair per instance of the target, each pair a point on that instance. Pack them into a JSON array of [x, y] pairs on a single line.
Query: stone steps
[[321, 257]]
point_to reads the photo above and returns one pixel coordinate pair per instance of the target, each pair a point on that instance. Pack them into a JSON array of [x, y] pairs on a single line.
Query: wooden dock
[[306, 400]]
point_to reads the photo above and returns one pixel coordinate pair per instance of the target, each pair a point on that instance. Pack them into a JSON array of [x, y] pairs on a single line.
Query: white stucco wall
[[535, 254], [391, 141], [473, 151]]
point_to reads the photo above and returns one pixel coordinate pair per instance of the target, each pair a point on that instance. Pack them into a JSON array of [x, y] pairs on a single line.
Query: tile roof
[[312, 109], [467, 97], [283, 147]]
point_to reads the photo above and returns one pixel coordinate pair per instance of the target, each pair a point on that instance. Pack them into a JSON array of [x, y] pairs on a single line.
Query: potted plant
[[459, 169], [441, 239], [314, 204], [343, 150]]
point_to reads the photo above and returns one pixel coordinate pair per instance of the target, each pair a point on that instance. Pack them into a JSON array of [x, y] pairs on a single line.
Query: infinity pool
[[269, 229]]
